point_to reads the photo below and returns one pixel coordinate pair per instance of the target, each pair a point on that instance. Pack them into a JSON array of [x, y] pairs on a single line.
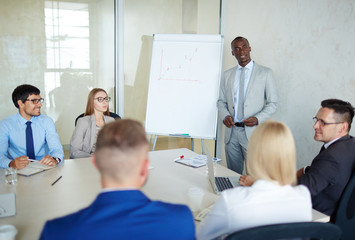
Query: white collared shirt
[[261, 204], [248, 71]]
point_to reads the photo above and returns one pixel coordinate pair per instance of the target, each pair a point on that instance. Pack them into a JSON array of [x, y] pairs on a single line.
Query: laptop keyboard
[[223, 183]]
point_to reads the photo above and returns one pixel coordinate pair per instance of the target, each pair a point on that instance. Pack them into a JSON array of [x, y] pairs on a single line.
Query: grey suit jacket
[[260, 100], [84, 136]]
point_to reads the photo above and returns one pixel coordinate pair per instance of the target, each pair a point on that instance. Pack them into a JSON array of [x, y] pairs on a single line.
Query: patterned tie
[[240, 113], [29, 141]]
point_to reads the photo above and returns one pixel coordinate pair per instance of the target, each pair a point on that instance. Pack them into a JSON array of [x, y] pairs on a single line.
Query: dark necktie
[[29, 141], [322, 149]]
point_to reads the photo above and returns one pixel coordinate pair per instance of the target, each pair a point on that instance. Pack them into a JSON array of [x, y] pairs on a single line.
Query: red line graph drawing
[[178, 71]]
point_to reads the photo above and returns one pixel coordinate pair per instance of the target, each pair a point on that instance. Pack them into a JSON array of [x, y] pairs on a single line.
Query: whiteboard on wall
[[184, 85]]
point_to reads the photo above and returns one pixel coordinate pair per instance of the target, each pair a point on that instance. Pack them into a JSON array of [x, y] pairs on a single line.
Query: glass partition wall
[[67, 47]]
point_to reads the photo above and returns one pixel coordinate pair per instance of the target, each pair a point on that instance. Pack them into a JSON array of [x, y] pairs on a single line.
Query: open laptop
[[219, 183]]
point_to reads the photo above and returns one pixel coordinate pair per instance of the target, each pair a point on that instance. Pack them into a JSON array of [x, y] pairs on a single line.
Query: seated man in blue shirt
[[28, 135], [121, 210]]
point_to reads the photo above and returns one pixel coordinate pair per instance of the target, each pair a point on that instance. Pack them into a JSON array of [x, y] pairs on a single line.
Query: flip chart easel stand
[[185, 73], [192, 143]]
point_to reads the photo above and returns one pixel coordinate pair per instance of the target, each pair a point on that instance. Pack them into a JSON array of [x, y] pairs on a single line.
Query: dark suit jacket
[[329, 173], [127, 214]]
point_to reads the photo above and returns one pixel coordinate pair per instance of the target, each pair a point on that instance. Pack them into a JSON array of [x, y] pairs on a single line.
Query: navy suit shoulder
[[125, 214], [329, 174]]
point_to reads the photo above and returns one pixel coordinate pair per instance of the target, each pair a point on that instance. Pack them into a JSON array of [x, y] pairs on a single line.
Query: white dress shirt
[[261, 204]]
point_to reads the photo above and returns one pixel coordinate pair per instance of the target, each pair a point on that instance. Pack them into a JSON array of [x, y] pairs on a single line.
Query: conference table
[[37, 200]]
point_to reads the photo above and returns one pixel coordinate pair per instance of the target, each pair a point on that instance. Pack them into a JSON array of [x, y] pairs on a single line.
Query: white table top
[[38, 201]]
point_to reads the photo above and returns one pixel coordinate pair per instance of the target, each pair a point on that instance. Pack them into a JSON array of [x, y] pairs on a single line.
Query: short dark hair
[[240, 38], [22, 92], [344, 110]]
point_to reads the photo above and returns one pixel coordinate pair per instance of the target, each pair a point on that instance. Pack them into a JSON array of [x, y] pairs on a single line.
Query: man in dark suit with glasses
[[333, 167]]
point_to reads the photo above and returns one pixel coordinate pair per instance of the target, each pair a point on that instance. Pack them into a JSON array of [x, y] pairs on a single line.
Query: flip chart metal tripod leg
[[155, 142]]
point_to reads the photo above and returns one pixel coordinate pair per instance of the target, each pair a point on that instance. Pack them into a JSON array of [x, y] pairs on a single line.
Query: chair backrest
[[302, 230], [344, 216], [114, 115]]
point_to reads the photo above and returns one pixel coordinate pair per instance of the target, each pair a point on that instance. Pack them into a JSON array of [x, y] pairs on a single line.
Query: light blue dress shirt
[[13, 138], [248, 71]]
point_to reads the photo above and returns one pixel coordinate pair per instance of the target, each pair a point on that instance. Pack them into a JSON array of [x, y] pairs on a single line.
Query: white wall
[[310, 46]]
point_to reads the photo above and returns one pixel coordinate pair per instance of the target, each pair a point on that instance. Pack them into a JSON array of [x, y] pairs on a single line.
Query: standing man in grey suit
[[247, 97]]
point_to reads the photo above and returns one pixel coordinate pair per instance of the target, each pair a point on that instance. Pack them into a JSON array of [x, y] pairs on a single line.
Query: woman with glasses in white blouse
[[273, 196], [96, 115]]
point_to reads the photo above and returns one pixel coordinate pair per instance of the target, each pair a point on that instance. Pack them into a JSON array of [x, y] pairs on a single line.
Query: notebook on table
[[32, 168], [219, 184], [196, 161], [201, 215]]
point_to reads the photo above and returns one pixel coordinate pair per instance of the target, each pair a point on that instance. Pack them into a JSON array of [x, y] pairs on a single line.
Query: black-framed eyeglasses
[[101, 99], [322, 123], [36, 101]]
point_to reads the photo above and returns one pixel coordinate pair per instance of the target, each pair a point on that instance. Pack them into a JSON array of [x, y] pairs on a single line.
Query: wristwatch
[[57, 159]]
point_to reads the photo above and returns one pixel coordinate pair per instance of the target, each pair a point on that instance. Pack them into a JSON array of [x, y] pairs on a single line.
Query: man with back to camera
[[121, 210], [247, 98], [28, 134], [333, 167]]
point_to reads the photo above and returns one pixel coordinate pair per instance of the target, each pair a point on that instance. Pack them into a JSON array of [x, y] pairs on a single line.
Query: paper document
[[201, 215], [7, 205], [197, 161], [32, 168]]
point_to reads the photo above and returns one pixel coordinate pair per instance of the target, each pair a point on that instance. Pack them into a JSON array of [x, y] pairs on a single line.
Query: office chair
[[302, 230], [344, 215], [114, 115]]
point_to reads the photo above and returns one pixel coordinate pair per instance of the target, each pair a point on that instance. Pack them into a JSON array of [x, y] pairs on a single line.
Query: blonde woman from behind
[[273, 198]]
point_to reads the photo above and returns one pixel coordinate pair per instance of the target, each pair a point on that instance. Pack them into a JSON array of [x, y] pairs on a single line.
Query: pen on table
[[56, 180], [181, 157]]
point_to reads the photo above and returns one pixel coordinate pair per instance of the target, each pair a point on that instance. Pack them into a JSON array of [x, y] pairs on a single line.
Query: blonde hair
[[272, 153], [90, 103]]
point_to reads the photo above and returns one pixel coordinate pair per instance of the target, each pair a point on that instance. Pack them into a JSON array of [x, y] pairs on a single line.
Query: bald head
[[121, 152]]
